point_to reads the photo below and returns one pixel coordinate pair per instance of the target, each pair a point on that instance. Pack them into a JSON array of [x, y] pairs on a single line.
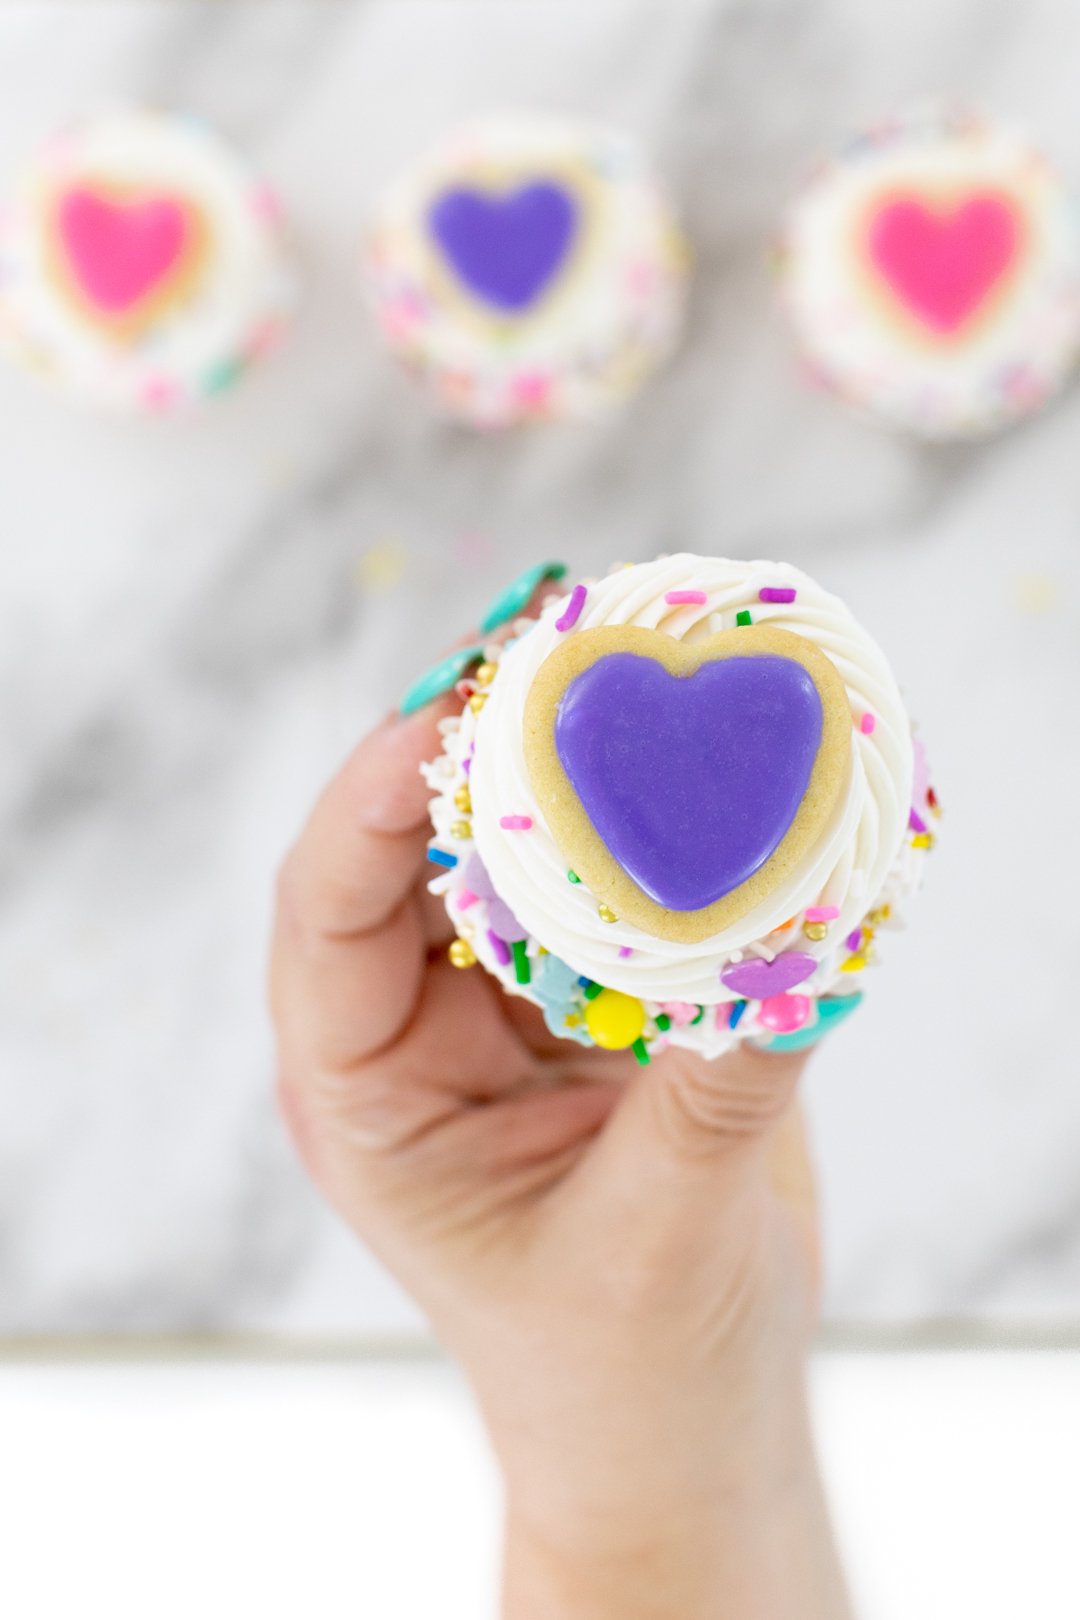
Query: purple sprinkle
[[499, 946], [777, 593], [916, 822], [568, 619], [466, 765], [854, 940], [626, 950]]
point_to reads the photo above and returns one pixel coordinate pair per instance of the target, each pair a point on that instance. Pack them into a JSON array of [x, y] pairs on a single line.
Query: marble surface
[[199, 617]]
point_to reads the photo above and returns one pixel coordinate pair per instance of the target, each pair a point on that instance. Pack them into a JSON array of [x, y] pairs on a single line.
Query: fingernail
[[441, 677], [832, 1010], [515, 598]]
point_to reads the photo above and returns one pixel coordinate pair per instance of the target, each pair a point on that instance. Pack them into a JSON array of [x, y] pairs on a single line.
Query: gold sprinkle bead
[[485, 673], [462, 954], [606, 914], [816, 930], [477, 701], [461, 829], [463, 800]]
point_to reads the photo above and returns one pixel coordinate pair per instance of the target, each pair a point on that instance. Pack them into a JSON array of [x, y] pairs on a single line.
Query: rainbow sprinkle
[[522, 970], [737, 1010], [516, 823], [867, 722], [567, 620], [442, 857], [916, 822], [854, 939], [822, 913], [679, 598], [500, 947], [743, 617], [640, 1051], [777, 593]]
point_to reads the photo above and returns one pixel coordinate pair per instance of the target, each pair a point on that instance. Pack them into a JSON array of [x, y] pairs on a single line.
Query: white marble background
[[197, 618]]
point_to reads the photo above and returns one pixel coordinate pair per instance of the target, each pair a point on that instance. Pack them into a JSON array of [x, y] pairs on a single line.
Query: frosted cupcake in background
[[527, 268], [931, 272], [141, 266], [680, 807]]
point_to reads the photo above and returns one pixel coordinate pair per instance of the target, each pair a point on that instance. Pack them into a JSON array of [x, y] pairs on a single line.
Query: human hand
[[624, 1261]]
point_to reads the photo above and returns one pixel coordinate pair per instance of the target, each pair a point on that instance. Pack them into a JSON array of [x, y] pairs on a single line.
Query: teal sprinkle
[[743, 617], [515, 598], [831, 1012], [441, 677], [522, 971], [641, 1052]]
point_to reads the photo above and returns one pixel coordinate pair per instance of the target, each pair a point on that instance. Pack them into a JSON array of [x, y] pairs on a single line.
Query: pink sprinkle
[[516, 823], [822, 913], [854, 940], [777, 593], [568, 620], [466, 899], [626, 950], [867, 724], [159, 393], [677, 598], [500, 947], [680, 1012], [916, 822]]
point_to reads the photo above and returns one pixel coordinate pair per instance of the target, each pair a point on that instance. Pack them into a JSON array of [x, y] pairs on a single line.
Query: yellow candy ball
[[614, 1020], [462, 954]]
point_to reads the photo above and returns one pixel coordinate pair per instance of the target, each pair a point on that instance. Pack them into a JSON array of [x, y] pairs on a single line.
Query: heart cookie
[[123, 253], [507, 247], [683, 782], [942, 258]]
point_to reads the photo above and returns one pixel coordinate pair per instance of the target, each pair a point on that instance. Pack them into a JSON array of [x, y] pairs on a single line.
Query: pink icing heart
[[757, 979], [942, 262], [119, 252]]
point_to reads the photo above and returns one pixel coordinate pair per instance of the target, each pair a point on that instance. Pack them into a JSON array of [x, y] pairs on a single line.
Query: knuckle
[[701, 1106]]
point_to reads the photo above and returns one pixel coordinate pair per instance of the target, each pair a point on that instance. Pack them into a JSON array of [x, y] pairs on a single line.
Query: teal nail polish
[[441, 677], [516, 596], [831, 1011]]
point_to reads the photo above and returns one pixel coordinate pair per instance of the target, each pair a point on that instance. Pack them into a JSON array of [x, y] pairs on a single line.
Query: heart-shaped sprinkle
[[684, 781], [942, 261], [120, 252], [758, 980], [506, 247]]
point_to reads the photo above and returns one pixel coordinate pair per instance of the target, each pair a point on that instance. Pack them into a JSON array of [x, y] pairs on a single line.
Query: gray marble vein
[[199, 617]]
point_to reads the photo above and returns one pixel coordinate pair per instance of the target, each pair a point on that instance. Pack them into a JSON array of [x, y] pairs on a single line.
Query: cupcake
[[680, 808], [931, 272], [141, 266], [527, 268]]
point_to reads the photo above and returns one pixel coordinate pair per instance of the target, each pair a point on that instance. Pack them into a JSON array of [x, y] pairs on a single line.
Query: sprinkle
[[466, 899], [854, 939], [777, 593], [485, 673], [743, 617], [640, 1051], [461, 954], [573, 877], [916, 822], [663, 1023], [854, 964], [463, 801], [677, 598], [461, 829], [516, 823], [500, 947], [822, 913], [568, 619], [626, 950], [931, 798], [815, 931], [737, 1010], [923, 840], [477, 701], [700, 1016], [606, 914], [867, 722], [442, 857], [522, 970], [592, 990]]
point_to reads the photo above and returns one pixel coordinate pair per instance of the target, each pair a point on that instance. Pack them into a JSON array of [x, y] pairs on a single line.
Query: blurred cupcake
[[527, 268], [141, 266], [931, 271]]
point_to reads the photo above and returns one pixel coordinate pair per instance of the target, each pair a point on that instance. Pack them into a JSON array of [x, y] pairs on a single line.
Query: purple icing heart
[[691, 781], [758, 979], [507, 247]]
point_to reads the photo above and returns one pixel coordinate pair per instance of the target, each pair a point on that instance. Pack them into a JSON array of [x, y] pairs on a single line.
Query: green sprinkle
[[700, 1016], [663, 1022], [592, 990], [743, 618], [640, 1051], [573, 877], [522, 970]]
